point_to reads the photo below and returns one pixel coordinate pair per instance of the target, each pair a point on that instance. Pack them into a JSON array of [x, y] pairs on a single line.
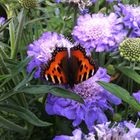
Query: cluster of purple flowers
[[121, 131], [130, 18], [102, 33]]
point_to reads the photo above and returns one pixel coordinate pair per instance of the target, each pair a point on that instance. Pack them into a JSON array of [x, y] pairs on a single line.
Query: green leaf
[[121, 93], [6, 95], [130, 73], [12, 126], [21, 65], [2, 77], [35, 89], [28, 78], [43, 89], [16, 70], [66, 94], [24, 114], [35, 20], [5, 25]]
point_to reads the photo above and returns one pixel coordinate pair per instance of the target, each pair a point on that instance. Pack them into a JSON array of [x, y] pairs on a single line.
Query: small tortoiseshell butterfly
[[65, 69]]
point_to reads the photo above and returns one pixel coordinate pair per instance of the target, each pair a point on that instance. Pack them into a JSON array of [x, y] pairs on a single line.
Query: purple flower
[[136, 95], [121, 131], [130, 17], [42, 49], [57, 1], [2, 21], [77, 135], [98, 31], [96, 99]]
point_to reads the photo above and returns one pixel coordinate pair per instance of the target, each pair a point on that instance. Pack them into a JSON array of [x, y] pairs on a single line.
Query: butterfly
[[69, 68]]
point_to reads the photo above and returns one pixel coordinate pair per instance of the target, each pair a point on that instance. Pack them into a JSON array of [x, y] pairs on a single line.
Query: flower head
[[136, 95], [130, 49], [96, 102], [28, 3], [130, 17], [2, 21], [98, 31], [121, 131], [42, 49]]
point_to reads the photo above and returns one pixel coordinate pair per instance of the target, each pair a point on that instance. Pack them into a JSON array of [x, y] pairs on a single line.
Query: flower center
[[88, 90]]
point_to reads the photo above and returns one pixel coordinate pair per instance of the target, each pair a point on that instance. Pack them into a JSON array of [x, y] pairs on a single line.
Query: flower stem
[[10, 14], [75, 16], [96, 9], [18, 35]]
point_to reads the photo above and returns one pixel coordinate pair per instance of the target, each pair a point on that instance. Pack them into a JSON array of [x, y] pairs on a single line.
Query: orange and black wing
[[54, 71], [86, 65]]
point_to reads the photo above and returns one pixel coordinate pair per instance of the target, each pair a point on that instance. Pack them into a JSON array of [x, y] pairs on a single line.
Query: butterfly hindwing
[[55, 71], [86, 66]]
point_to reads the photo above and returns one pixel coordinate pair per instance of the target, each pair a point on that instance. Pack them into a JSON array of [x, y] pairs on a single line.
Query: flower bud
[[28, 3], [130, 49]]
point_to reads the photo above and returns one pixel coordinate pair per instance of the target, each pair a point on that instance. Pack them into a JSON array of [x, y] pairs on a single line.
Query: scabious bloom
[[2, 21], [97, 100], [136, 95], [130, 17], [42, 49], [130, 49], [98, 31], [121, 131]]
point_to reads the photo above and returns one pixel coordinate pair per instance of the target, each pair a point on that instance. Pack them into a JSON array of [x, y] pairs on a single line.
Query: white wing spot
[[46, 77], [92, 72]]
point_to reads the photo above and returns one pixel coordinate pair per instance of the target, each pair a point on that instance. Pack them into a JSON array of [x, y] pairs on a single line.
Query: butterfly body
[[65, 69]]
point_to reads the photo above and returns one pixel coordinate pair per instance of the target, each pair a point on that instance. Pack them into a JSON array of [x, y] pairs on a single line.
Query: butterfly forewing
[[86, 67], [55, 71]]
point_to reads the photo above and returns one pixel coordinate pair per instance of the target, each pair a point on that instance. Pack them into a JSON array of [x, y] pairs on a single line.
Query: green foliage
[[130, 73], [122, 94]]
